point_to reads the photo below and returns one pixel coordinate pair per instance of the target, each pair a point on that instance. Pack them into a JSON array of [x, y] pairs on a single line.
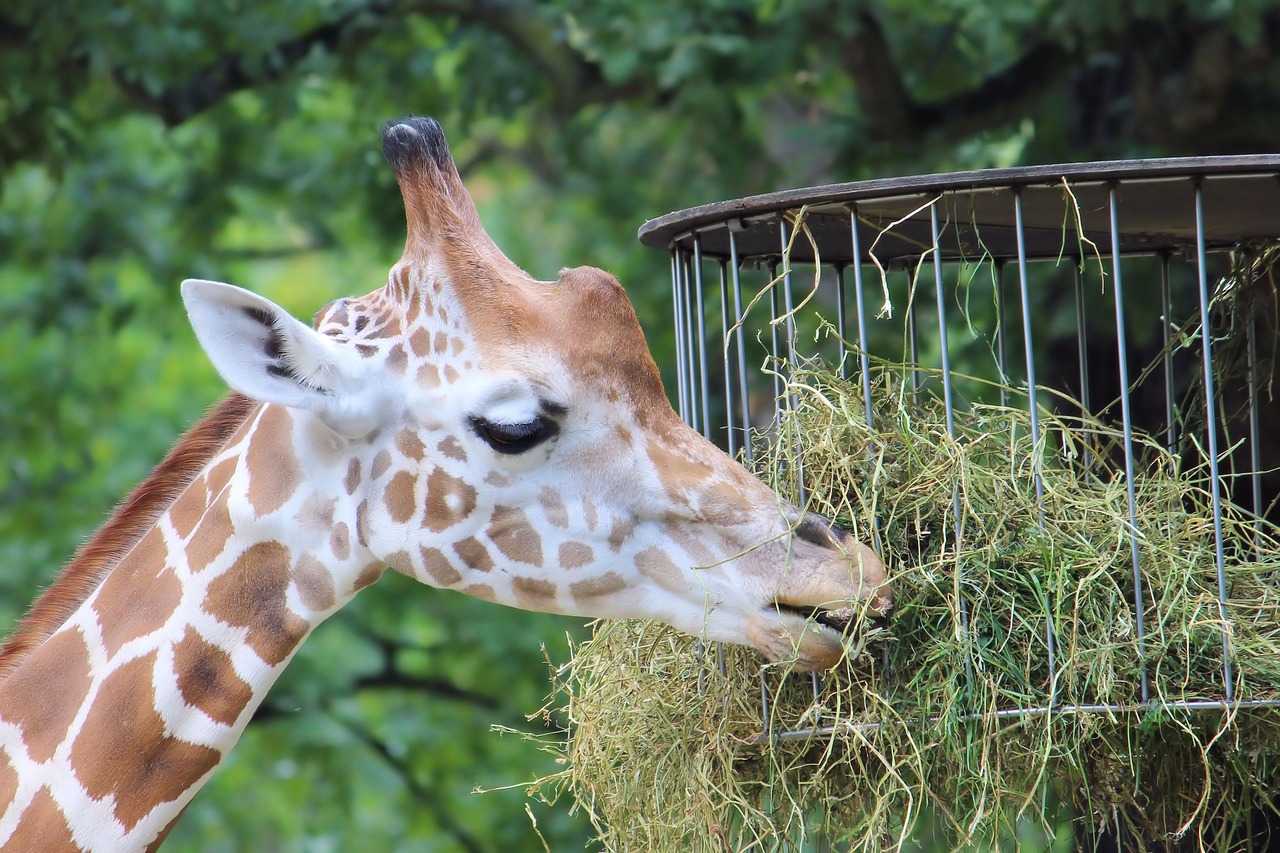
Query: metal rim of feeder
[[1183, 211]]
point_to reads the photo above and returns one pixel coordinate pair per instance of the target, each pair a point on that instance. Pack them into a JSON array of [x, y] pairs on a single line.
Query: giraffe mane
[[130, 521]]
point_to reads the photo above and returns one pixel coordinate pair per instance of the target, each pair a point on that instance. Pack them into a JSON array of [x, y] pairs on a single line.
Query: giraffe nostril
[[817, 530]]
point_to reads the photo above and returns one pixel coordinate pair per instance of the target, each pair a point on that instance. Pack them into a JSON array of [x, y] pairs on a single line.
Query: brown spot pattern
[[429, 375], [58, 674], [368, 576], [451, 447], [274, 473], [399, 496], [589, 513], [553, 505], [220, 475], [620, 532], [575, 555], [686, 535], [362, 523], [189, 507], [441, 343], [381, 463], [515, 537], [533, 594], [353, 476], [210, 538], [408, 443], [482, 591], [8, 782], [474, 554], [41, 827], [207, 680], [442, 490], [607, 583], [439, 568], [251, 594], [123, 749], [450, 375], [401, 562], [340, 541], [420, 342], [316, 513], [657, 566], [315, 584], [397, 359], [139, 596]]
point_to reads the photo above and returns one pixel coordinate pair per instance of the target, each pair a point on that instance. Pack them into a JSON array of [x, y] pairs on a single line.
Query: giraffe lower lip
[[837, 619]]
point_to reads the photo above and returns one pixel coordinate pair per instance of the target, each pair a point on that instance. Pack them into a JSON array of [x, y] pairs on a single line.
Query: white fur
[[331, 376]]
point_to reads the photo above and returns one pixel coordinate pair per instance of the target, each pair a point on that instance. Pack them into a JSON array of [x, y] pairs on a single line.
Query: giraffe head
[[511, 439]]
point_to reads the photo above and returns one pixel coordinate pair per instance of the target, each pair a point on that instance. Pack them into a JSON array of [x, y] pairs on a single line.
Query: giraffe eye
[[513, 439]]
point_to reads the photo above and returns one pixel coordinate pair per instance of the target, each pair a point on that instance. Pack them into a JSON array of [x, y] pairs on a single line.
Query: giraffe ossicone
[[466, 425]]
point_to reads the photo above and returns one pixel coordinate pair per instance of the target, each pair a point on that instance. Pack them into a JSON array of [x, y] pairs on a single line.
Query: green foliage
[[145, 142]]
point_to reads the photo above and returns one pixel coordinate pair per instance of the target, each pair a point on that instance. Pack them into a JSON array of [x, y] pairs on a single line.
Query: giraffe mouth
[[837, 619]]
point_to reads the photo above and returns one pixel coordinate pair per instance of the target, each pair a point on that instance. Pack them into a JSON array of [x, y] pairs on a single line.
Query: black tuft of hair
[[413, 142]]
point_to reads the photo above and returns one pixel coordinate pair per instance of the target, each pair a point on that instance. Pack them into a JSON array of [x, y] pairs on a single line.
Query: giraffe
[[465, 425]]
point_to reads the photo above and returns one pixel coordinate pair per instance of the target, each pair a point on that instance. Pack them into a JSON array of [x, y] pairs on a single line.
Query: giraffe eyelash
[[517, 438]]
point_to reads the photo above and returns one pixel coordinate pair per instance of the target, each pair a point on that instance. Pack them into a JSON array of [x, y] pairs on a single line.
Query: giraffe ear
[[265, 353]]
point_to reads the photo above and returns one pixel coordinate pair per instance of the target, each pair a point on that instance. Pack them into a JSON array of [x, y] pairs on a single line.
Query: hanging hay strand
[[1005, 690]]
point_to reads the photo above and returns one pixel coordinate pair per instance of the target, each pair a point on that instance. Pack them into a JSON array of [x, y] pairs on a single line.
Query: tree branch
[[437, 687], [234, 72], [575, 81], [894, 115], [420, 792]]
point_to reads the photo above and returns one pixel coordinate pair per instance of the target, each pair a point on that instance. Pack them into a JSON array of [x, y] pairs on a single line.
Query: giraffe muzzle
[[833, 587]]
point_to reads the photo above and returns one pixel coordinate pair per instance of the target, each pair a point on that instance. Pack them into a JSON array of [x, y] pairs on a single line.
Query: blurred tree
[[148, 141]]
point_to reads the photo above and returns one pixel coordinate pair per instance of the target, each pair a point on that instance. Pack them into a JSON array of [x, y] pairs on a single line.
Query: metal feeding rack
[[1098, 277]]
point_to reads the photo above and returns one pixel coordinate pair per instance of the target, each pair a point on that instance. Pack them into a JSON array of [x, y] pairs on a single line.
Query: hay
[[919, 730]]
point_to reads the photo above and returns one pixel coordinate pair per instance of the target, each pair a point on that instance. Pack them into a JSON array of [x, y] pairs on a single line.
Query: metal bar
[[1166, 327], [913, 339], [1255, 446], [790, 329], [1126, 417], [775, 346], [1032, 404], [1002, 336], [691, 362], [840, 322], [812, 732], [947, 397], [691, 315], [1211, 421], [1082, 355], [949, 406], [732, 435], [744, 400], [1082, 340], [764, 701], [1033, 407], [677, 301], [701, 319], [860, 301]]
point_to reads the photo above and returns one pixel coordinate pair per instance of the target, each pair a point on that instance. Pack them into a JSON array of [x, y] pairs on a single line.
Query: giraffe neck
[[110, 725]]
